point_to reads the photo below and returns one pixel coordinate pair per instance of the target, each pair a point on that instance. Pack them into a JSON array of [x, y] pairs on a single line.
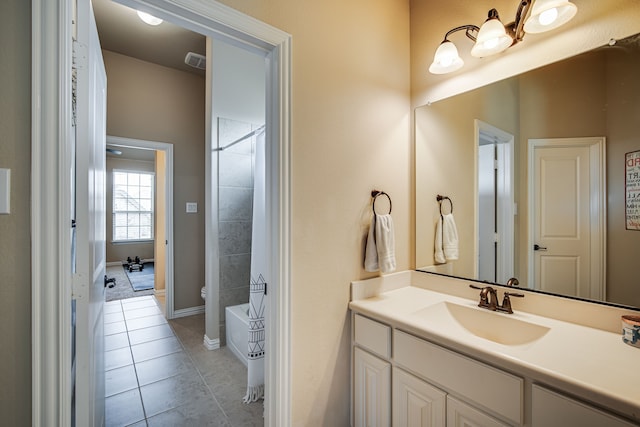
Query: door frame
[[51, 161], [505, 197], [118, 141], [597, 208]]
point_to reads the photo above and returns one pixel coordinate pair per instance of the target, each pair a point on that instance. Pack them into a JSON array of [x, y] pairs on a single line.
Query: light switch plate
[[5, 190], [192, 207]]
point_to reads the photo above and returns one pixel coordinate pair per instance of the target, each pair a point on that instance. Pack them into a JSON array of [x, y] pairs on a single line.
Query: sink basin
[[497, 327]]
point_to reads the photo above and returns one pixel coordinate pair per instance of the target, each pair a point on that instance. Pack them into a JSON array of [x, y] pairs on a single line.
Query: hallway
[[158, 373]]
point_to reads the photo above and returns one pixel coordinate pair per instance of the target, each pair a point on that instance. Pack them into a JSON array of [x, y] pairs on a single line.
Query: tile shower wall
[[235, 209]]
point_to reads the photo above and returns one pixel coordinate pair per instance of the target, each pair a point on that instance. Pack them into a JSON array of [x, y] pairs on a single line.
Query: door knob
[[537, 247]]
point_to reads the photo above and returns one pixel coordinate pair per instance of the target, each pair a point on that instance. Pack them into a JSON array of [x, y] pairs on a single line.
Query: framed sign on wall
[[632, 190]]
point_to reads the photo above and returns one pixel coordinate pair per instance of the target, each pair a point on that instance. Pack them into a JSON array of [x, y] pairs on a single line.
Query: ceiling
[[121, 31]]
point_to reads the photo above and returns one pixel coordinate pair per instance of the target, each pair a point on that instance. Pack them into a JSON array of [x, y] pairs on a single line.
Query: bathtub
[[237, 330]]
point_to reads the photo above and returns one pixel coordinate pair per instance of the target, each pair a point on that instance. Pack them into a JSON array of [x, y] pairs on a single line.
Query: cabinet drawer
[[372, 335], [550, 409], [491, 388]]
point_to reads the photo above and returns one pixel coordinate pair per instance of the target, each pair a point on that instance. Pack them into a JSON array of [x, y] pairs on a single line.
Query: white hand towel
[[446, 242], [385, 242], [439, 253], [449, 238], [371, 252]]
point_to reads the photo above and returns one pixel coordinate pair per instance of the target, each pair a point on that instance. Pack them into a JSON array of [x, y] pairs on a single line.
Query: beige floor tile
[[120, 380], [151, 333], [157, 348], [115, 341], [123, 409], [164, 367]]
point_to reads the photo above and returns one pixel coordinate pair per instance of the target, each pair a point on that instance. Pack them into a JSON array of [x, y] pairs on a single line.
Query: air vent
[[196, 60]]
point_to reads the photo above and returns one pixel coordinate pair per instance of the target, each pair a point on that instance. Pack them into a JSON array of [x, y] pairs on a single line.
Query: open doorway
[[52, 151], [139, 195], [495, 203]]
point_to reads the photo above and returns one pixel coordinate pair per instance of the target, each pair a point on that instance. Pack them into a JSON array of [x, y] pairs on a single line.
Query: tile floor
[[159, 373]]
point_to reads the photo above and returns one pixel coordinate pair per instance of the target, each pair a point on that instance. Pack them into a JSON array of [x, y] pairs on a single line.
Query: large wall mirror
[[535, 168]]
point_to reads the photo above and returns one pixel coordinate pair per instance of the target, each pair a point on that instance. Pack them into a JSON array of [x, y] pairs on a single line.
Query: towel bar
[[440, 198]]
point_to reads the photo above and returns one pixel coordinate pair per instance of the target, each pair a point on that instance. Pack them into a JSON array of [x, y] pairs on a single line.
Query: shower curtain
[[255, 365]]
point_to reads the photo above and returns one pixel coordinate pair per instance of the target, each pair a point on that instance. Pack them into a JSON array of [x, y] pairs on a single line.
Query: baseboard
[[211, 344], [191, 311], [159, 292]]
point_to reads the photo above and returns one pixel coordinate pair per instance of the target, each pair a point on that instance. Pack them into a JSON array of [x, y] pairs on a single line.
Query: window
[[132, 205]]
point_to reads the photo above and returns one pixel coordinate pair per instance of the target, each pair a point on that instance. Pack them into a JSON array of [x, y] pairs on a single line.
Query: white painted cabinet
[[402, 380], [416, 403], [459, 414], [551, 409], [372, 390]]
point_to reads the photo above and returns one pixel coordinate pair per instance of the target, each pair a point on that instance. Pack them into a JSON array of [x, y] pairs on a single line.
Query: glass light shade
[[549, 14], [149, 19], [492, 38], [446, 59]]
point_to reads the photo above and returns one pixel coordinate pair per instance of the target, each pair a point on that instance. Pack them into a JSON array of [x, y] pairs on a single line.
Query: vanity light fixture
[[149, 19], [532, 16]]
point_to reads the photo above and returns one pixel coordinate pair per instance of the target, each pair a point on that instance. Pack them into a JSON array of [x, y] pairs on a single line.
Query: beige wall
[[623, 136], [149, 102], [120, 251], [350, 134], [15, 247]]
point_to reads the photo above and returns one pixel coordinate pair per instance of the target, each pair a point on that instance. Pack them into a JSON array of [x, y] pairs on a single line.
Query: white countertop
[[590, 363]]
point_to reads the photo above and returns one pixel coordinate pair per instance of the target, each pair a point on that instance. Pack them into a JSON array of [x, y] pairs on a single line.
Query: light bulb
[[548, 16]]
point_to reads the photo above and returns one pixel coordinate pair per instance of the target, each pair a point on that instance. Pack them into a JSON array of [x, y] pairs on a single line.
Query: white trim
[[186, 312], [210, 344], [116, 141], [51, 154], [212, 246], [598, 208], [51, 118]]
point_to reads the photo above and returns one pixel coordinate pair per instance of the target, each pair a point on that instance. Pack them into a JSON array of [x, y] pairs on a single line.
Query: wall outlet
[[192, 207], [5, 190]]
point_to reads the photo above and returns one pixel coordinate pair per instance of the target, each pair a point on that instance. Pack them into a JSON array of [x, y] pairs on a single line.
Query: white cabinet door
[[372, 390], [416, 403], [460, 414], [550, 409]]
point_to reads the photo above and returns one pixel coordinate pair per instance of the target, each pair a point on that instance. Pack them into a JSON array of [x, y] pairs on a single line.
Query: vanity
[[425, 354]]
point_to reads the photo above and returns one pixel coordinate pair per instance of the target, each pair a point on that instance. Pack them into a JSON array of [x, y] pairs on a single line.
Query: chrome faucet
[[489, 299]]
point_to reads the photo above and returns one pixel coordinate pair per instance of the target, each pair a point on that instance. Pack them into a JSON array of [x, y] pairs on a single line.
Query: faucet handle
[[513, 282], [506, 301]]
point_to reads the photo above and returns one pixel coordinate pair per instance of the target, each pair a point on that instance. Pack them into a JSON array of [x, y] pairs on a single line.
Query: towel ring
[[440, 198], [375, 194]]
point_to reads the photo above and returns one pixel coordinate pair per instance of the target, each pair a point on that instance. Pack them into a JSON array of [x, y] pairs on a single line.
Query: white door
[[564, 226], [88, 282]]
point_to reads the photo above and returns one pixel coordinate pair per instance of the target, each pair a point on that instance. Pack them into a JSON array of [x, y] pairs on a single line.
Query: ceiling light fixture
[[149, 19], [533, 16]]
